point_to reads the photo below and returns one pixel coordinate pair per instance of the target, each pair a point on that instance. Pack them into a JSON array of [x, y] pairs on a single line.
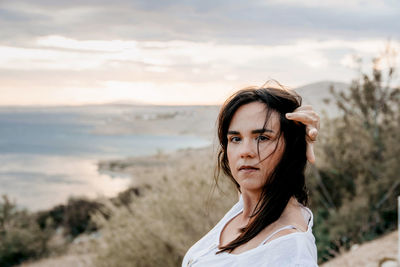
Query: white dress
[[292, 250]]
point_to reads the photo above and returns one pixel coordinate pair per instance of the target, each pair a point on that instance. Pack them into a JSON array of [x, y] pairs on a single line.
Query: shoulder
[[296, 249], [291, 250], [297, 226], [290, 247], [282, 233]]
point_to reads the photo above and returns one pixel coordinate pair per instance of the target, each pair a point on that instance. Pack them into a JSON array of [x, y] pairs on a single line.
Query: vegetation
[[158, 227], [354, 191], [74, 217], [20, 236], [26, 236]]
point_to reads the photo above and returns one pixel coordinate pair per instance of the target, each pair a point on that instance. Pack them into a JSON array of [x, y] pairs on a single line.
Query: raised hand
[[307, 116]]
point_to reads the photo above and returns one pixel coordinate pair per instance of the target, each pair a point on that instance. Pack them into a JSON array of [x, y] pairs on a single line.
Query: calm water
[[48, 155]]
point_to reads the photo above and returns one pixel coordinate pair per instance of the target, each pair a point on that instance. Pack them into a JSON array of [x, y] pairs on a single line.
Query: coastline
[[53, 153], [153, 176]]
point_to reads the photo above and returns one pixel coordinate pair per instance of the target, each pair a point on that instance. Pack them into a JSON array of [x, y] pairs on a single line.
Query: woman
[[263, 150]]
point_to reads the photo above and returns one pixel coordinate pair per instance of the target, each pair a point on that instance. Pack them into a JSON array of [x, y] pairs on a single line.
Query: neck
[[290, 209], [250, 200]]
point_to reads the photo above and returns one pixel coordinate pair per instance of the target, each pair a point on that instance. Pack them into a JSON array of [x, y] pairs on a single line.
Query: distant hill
[[314, 94], [127, 102]]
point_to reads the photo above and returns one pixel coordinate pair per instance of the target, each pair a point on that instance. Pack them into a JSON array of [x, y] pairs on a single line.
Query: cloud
[[69, 49], [354, 5], [88, 45], [65, 69], [241, 22], [58, 52]]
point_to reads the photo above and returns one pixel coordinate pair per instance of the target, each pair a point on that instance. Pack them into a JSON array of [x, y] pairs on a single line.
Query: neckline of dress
[[217, 242]]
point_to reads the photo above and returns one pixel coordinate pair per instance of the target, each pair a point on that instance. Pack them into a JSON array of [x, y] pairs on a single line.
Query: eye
[[262, 138], [234, 139]]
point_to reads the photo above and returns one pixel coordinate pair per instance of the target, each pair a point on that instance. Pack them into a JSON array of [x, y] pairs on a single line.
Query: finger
[[312, 133], [310, 152], [307, 118], [310, 113], [305, 107]]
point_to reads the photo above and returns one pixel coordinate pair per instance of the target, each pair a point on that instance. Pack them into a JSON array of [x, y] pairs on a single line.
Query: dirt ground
[[369, 254]]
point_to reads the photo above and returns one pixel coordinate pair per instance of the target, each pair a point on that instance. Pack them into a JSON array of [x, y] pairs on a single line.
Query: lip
[[248, 168]]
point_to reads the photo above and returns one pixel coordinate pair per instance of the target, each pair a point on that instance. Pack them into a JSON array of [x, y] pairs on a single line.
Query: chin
[[250, 186]]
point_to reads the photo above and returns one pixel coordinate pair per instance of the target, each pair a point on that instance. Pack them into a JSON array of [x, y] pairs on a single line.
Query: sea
[[49, 154]]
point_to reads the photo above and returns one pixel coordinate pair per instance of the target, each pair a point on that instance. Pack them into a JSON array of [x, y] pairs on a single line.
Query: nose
[[248, 149]]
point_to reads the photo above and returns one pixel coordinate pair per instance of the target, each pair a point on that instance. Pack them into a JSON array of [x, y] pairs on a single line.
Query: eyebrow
[[257, 131]]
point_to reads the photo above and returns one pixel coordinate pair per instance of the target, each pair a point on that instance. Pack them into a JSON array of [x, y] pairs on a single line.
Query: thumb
[[310, 152]]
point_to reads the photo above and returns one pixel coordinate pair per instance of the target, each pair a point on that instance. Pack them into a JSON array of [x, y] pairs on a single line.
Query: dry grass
[[62, 261], [159, 227]]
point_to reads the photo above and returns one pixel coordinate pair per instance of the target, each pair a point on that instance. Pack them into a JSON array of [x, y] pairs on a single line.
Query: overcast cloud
[[71, 52]]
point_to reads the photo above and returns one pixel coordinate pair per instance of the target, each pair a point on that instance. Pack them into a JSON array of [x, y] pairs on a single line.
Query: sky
[[182, 52]]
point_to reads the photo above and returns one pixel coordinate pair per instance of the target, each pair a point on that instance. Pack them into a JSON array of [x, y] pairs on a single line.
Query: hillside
[[316, 94], [369, 254]]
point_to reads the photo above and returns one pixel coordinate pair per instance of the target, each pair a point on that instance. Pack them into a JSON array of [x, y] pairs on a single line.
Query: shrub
[[20, 236], [74, 217], [161, 225], [354, 191]]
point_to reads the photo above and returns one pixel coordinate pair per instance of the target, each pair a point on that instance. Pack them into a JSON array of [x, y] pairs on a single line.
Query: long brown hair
[[287, 178]]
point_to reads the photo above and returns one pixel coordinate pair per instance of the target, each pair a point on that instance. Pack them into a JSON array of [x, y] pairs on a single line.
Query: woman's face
[[250, 169]]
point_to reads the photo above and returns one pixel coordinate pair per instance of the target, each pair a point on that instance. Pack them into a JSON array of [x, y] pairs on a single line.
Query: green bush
[[354, 189], [74, 217], [20, 236]]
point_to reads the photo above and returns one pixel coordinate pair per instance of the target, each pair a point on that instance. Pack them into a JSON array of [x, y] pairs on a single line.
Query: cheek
[[268, 150], [230, 154], [276, 153], [272, 154]]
